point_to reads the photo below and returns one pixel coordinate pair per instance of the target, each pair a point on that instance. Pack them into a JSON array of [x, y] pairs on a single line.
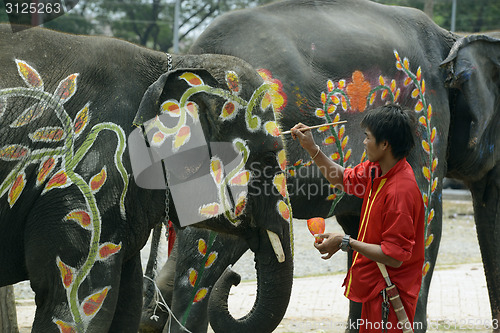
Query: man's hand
[[330, 245], [306, 139]]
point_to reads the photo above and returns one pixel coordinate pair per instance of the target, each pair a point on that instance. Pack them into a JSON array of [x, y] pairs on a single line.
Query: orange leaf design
[[282, 160], [182, 136], [431, 216], [323, 97], [107, 249], [347, 155], [393, 85], [434, 185], [31, 113], [279, 182], [331, 108], [419, 73], [419, 107], [200, 295], [331, 197], [434, 164], [316, 225], [427, 173], [415, 93], [425, 269], [291, 172], [329, 140], [241, 179], [407, 81], [67, 273], [209, 210], [46, 168], [330, 85], [426, 200], [283, 210], [240, 204], [80, 216], [335, 156], [344, 142], [29, 75], [171, 107], [335, 99], [323, 129], [372, 98], [98, 180], [158, 139], [320, 113], [426, 146], [192, 79], [192, 109], [396, 95], [433, 135], [357, 91], [423, 121], [81, 119], [341, 132], [66, 88], [47, 134], [202, 246], [381, 80], [423, 86], [16, 188], [363, 156], [299, 162], [193, 277], [383, 96], [429, 240], [406, 63], [65, 327], [216, 170], [211, 258], [341, 84], [60, 179], [272, 128], [93, 303], [429, 112], [233, 82], [228, 110]]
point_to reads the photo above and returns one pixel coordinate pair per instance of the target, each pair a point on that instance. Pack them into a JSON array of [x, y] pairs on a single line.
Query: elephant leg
[[165, 283], [350, 225], [486, 200], [129, 304]]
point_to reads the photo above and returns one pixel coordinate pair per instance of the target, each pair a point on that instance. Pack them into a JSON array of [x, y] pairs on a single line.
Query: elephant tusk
[[277, 247]]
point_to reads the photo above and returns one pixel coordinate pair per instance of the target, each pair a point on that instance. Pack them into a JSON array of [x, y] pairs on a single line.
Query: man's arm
[[331, 244], [332, 171]]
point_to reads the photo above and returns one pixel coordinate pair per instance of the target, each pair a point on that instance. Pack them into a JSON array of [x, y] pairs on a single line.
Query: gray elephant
[[74, 218], [332, 61]]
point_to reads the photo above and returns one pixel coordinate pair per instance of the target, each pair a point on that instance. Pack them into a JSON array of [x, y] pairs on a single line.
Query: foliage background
[[151, 22]]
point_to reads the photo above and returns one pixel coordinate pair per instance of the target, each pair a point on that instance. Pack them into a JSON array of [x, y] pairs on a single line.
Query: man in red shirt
[[391, 229]]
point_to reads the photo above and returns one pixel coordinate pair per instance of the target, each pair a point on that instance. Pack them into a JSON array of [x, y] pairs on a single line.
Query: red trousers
[[371, 315]]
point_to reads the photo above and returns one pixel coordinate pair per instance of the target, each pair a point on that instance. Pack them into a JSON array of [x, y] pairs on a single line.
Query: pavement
[[458, 300]]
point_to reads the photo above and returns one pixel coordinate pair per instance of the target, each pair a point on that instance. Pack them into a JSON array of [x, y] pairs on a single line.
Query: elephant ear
[[170, 86], [472, 67]]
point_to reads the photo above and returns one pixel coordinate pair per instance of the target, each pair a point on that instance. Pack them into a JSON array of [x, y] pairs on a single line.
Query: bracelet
[[316, 153]]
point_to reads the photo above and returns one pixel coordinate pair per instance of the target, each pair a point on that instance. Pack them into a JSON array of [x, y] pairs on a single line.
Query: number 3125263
[[33, 8]]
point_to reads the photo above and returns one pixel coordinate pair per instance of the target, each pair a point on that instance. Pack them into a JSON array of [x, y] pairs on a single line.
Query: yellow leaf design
[[16, 188], [427, 173], [283, 210], [433, 135], [241, 179], [200, 295], [209, 210], [66, 88], [81, 119], [279, 182], [29, 75], [425, 269], [331, 108], [46, 168], [272, 128], [216, 170], [210, 260], [335, 156], [202, 246], [320, 113], [415, 93], [192, 109], [67, 273], [193, 277], [240, 204], [347, 155], [344, 142], [423, 121], [65, 327], [431, 216], [426, 146], [429, 240], [158, 139], [434, 164], [329, 85], [282, 159], [108, 249], [329, 140], [233, 82], [192, 79], [171, 107], [31, 113], [429, 112], [92, 304], [323, 97], [182, 136], [98, 180], [80, 216]]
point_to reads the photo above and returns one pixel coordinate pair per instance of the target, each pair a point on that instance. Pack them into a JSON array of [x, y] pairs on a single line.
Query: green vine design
[[72, 278]]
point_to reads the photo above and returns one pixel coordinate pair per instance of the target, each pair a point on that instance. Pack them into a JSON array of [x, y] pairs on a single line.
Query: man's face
[[374, 151]]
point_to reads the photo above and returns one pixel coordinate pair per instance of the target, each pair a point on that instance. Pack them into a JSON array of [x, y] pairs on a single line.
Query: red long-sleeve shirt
[[392, 216]]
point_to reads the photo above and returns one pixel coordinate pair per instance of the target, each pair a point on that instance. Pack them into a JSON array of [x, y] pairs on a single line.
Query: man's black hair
[[392, 123]]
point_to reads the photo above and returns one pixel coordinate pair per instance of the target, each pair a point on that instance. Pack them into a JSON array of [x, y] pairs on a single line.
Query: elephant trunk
[[274, 286]]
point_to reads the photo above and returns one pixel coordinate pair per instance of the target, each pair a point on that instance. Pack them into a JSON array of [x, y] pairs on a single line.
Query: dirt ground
[[458, 249]]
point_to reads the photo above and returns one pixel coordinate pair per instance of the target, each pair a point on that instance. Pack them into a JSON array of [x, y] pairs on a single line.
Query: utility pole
[[453, 14], [177, 14]]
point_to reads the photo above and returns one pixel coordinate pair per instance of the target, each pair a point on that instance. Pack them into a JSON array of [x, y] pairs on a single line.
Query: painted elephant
[[74, 218], [335, 60]]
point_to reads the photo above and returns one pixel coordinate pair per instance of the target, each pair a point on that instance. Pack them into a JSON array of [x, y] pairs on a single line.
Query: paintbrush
[[317, 126]]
